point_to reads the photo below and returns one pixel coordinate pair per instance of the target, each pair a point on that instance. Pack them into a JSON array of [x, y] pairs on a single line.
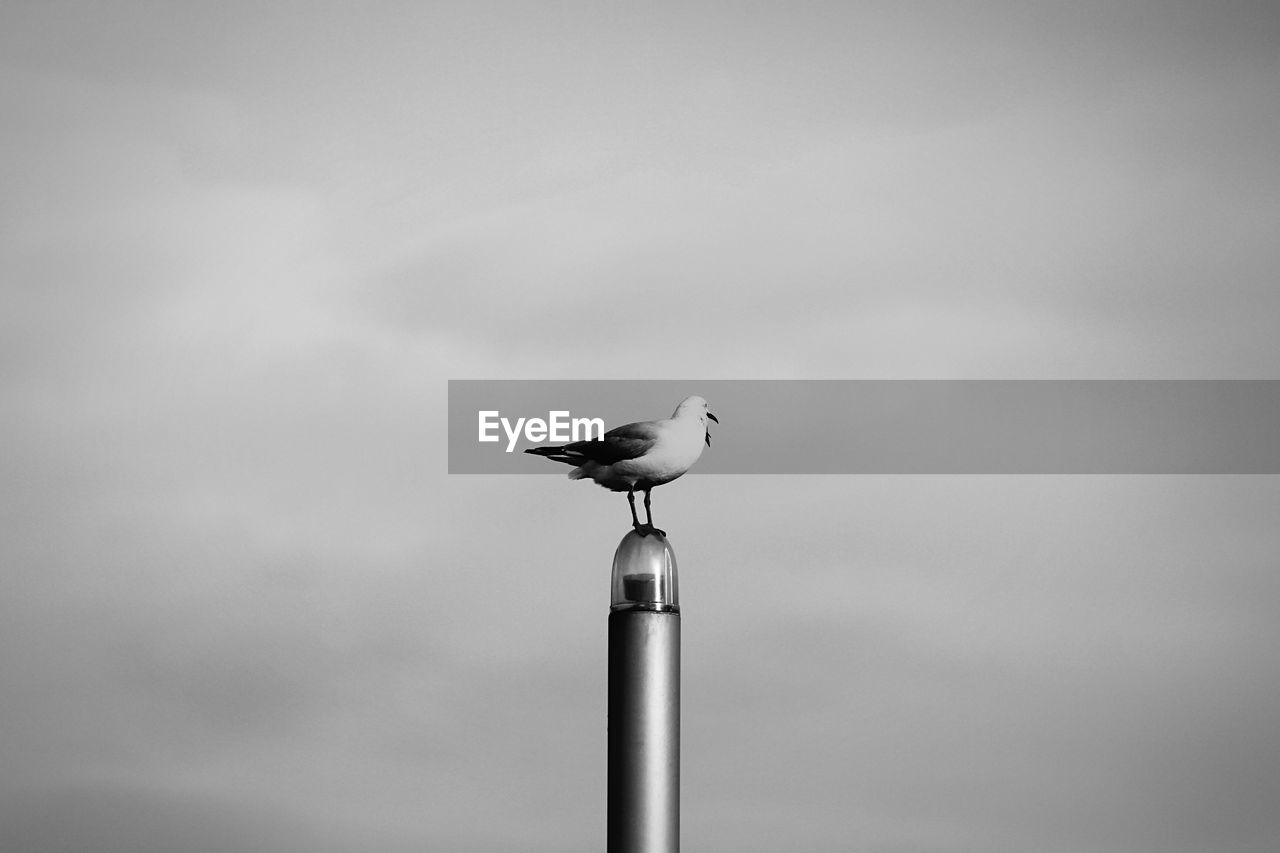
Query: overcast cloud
[[243, 247]]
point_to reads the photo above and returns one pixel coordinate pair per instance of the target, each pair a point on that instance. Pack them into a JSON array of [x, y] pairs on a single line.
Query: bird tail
[[583, 467], [556, 454], [545, 450]]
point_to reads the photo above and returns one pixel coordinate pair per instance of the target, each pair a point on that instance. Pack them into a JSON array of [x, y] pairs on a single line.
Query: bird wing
[[630, 441]]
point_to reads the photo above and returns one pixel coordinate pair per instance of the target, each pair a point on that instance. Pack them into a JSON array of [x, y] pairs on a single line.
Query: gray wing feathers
[[621, 443], [630, 441]]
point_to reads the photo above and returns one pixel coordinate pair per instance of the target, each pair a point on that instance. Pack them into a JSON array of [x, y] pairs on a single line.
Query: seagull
[[640, 455]]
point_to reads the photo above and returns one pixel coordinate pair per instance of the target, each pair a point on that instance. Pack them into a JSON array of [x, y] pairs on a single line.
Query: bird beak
[[713, 417]]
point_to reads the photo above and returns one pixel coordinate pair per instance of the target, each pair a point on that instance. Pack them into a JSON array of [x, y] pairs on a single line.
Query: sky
[[244, 246]]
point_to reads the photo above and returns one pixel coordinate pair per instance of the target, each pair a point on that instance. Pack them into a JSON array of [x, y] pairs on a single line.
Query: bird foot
[[646, 529]]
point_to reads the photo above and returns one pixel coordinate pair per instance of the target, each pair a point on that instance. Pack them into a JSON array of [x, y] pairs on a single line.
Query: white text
[[558, 427]]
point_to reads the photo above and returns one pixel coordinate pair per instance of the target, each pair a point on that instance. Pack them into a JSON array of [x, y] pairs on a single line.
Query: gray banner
[[899, 427]]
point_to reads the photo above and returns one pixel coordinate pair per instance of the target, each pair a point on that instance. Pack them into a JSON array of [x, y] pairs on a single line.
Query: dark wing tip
[[545, 450]]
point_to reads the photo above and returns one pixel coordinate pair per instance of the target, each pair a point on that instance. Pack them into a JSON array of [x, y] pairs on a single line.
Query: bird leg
[[635, 519], [648, 514]]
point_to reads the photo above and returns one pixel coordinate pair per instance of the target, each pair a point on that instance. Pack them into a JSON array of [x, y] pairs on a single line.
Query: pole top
[[644, 574]]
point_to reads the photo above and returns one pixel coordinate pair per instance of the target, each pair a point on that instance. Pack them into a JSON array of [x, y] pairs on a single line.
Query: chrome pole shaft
[[644, 731]]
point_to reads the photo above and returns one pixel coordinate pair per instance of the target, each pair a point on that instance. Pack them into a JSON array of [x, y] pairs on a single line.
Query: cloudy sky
[[243, 247]]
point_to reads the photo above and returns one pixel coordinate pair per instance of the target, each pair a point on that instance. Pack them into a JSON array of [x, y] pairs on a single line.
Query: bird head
[[696, 407]]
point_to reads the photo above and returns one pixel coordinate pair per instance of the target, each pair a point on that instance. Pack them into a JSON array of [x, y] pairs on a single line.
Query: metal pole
[[644, 698]]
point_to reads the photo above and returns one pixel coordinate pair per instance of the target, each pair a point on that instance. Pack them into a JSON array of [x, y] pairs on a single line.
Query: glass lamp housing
[[644, 574]]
